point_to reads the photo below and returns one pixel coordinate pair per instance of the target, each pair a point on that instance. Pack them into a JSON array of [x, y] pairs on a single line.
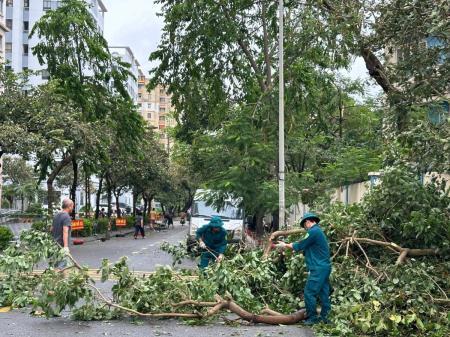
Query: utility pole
[[281, 165]]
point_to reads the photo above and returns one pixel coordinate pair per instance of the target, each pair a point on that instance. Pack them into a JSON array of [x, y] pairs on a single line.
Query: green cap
[[309, 216]]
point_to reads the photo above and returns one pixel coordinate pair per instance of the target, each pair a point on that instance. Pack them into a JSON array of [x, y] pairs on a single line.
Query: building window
[[24, 68], [9, 3], [25, 49], [438, 113], [149, 115], [45, 74], [139, 95], [162, 118], [162, 109], [8, 47], [162, 100], [47, 5], [26, 3], [9, 23], [8, 68], [26, 26]]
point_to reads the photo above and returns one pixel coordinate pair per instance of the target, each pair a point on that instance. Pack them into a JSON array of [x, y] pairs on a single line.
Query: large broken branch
[[276, 235], [268, 316], [403, 252]]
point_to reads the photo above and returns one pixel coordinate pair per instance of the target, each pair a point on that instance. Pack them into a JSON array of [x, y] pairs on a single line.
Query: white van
[[201, 213]]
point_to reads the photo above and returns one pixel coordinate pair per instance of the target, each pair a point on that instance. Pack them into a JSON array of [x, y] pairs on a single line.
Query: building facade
[[126, 55], [3, 31], [156, 108], [20, 16]]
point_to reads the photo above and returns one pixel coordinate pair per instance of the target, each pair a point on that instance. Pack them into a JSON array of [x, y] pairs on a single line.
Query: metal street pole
[[281, 164]]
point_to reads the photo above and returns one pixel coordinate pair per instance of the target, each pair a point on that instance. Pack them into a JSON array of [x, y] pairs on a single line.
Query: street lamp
[[281, 165]]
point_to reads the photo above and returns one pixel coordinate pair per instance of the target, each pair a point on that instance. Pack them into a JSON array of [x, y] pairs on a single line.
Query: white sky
[[134, 23]]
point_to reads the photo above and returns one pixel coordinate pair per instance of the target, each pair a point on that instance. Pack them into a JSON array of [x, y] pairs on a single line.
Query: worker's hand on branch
[[201, 244], [281, 245], [219, 258]]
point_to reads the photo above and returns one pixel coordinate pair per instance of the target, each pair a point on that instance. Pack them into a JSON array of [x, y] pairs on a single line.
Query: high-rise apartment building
[[20, 17], [155, 107], [3, 30], [126, 55]]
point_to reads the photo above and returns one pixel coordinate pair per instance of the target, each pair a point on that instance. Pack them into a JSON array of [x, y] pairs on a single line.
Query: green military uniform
[[215, 241], [317, 256]]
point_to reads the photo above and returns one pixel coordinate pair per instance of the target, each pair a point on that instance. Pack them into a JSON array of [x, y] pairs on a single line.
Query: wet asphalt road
[[143, 255]]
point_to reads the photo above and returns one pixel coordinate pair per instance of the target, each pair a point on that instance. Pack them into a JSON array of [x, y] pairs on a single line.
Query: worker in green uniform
[[317, 256], [212, 237]]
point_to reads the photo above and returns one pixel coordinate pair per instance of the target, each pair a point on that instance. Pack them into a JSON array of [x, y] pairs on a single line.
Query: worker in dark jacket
[[212, 237], [317, 257]]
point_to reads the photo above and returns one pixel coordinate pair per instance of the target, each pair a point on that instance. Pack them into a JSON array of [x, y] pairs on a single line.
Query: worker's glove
[[202, 245], [280, 245], [219, 258]]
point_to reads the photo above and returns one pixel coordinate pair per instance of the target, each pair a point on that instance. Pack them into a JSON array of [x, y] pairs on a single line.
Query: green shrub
[[5, 237], [6, 203], [41, 226], [102, 225], [409, 211], [88, 228], [130, 220], [35, 209]]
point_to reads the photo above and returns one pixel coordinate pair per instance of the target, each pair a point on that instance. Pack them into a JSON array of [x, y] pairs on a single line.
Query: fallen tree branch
[[403, 252], [276, 235], [195, 303], [271, 317]]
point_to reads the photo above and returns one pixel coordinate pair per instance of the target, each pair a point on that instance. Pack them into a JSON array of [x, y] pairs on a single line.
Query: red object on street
[[78, 242]]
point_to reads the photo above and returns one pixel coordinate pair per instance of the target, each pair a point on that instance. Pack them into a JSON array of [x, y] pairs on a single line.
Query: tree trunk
[[97, 200], [73, 189], [134, 202], [109, 194], [51, 178], [145, 204], [117, 196], [189, 201], [259, 225], [86, 194], [276, 221]]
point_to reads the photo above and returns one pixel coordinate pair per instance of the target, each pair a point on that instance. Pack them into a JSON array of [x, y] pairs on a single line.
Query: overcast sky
[[134, 23]]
